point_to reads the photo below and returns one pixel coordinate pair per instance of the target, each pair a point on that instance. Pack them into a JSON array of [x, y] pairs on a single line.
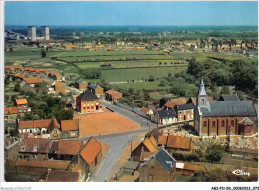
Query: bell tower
[[202, 97]]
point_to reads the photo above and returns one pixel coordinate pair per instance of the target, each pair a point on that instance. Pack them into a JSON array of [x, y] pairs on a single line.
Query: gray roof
[[229, 98], [87, 96], [164, 159], [167, 113], [22, 84], [92, 86], [79, 81], [185, 106], [228, 108], [131, 165]]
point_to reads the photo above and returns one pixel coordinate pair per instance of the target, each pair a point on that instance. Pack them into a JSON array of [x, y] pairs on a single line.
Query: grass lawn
[[127, 64], [182, 178], [141, 85]]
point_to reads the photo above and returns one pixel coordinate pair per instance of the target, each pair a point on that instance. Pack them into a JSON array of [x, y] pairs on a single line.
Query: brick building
[[22, 105], [224, 117], [87, 102], [59, 87], [81, 85], [95, 89], [70, 128], [160, 167], [185, 112], [112, 95]]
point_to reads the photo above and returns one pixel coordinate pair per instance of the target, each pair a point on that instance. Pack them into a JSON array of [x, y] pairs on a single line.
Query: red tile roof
[[21, 101], [52, 164], [111, 92], [33, 80], [69, 147], [33, 124], [144, 109], [11, 110], [178, 142], [69, 125], [62, 176], [162, 140], [34, 145], [91, 150]]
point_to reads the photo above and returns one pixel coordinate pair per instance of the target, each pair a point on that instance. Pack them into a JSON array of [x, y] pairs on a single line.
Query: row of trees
[[239, 73]]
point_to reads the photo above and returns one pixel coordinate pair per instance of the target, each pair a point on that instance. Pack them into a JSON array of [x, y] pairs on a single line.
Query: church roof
[[229, 98], [228, 108], [202, 91]]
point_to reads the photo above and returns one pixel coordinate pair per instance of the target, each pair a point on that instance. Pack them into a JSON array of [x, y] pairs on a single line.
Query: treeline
[[91, 74], [239, 73]]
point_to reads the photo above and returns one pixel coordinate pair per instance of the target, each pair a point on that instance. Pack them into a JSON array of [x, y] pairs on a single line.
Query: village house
[[22, 105], [59, 87], [68, 150], [32, 147], [185, 112], [54, 129], [148, 112], [26, 87], [62, 176], [160, 167], [33, 127], [70, 128], [87, 102], [32, 81], [18, 69], [9, 70], [113, 96], [81, 85], [176, 100], [90, 155], [224, 117], [178, 143], [34, 166], [43, 73], [10, 114], [146, 148], [95, 89], [164, 117]]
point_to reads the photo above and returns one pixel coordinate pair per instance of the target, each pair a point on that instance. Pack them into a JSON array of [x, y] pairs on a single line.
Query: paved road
[[116, 145], [143, 122]]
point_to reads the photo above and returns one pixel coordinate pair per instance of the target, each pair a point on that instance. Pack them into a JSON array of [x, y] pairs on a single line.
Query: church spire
[[202, 91]]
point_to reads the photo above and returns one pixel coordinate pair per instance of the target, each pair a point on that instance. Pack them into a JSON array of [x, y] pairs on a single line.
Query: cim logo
[[240, 172]]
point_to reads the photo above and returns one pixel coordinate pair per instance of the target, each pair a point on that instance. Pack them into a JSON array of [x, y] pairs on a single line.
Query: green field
[[141, 85], [117, 75]]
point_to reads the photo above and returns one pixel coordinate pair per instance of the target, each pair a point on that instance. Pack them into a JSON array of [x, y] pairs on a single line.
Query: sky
[[139, 13]]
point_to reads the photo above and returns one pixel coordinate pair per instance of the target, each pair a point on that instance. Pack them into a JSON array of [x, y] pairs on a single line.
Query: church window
[[213, 123], [205, 124], [223, 123], [202, 101], [232, 123]]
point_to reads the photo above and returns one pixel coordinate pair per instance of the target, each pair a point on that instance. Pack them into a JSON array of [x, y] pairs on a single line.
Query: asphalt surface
[[116, 141], [143, 122], [116, 146]]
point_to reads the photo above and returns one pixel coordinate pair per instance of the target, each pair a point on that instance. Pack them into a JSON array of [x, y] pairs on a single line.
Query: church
[[223, 117]]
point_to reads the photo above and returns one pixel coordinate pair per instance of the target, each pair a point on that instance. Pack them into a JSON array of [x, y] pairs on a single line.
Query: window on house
[[188, 116], [213, 123], [223, 123], [92, 103], [84, 108], [88, 103], [232, 123], [205, 124], [92, 107], [87, 107], [183, 112], [180, 118], [84, 104]]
